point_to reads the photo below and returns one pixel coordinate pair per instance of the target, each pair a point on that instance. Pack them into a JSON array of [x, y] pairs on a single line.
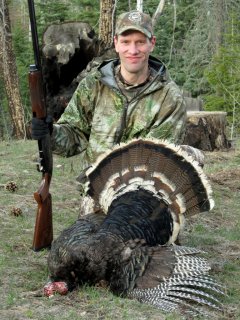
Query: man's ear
[[153, 42], [115, 39]]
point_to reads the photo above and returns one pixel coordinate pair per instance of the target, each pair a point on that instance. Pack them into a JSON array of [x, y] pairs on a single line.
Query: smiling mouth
[[133, 59]]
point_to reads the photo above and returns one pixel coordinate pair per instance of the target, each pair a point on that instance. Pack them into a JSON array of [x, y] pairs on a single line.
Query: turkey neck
[[139, 215]]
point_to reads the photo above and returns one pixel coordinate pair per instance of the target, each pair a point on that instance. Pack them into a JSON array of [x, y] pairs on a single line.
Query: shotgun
[[43, 233]]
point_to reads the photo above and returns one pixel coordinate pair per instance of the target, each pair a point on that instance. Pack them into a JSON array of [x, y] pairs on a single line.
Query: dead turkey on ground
[[137, 197]]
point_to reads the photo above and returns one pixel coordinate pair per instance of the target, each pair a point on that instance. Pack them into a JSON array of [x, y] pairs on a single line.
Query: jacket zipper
[[119, 132]]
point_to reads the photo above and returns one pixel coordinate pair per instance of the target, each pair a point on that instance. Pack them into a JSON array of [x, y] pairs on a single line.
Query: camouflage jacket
[[99, 115]]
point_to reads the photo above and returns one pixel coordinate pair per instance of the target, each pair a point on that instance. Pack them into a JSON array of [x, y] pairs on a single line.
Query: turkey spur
[[137, 197]]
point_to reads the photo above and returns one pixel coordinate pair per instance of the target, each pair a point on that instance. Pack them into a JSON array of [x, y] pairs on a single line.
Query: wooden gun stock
[[43, 233]]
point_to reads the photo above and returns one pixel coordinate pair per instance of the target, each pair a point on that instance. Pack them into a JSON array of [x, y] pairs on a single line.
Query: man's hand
[[41, 127]]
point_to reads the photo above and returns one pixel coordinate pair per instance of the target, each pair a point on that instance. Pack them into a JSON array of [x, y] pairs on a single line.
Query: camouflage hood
[[107, 72]]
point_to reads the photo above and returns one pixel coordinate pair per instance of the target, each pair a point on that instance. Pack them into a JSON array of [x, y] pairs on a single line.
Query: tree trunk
[[10, 77], [139, 6], [158, 12], [206, 130], [3, 122], [67, 50], [107, 22]]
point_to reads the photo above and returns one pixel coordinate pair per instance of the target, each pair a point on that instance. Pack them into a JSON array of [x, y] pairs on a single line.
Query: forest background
[[199, 41]]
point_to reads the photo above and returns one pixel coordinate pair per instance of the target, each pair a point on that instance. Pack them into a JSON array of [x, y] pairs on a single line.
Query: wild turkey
[[137, 197]]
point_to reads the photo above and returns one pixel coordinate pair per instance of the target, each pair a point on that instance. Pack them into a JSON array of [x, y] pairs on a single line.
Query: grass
[[23, 272]]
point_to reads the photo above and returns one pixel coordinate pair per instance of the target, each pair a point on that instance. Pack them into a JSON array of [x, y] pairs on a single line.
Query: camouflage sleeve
[[170, 123], [68, 141], [71, 132]]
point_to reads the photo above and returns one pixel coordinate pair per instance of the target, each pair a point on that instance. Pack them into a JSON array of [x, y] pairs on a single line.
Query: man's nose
[[133, 48]]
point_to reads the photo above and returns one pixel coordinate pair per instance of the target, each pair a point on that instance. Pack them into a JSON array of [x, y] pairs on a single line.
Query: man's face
[[134, 49]]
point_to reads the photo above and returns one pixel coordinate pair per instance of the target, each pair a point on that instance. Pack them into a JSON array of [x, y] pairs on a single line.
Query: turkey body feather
[[141, 193], [139, 215]]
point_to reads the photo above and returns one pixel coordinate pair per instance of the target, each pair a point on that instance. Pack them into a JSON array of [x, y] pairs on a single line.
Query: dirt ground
[[229, 178], [23, 272]]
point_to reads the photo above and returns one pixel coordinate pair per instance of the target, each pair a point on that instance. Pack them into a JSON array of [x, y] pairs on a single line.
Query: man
[[121, 99]]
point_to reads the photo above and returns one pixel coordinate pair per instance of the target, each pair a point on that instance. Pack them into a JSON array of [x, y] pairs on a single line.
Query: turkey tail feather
[[188, 284]]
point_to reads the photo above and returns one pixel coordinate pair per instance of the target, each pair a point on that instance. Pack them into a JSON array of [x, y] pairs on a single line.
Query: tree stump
[[67, 49], [206, 130]]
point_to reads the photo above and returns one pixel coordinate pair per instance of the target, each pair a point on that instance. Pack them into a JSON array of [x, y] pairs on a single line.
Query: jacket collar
[[106, 70]]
